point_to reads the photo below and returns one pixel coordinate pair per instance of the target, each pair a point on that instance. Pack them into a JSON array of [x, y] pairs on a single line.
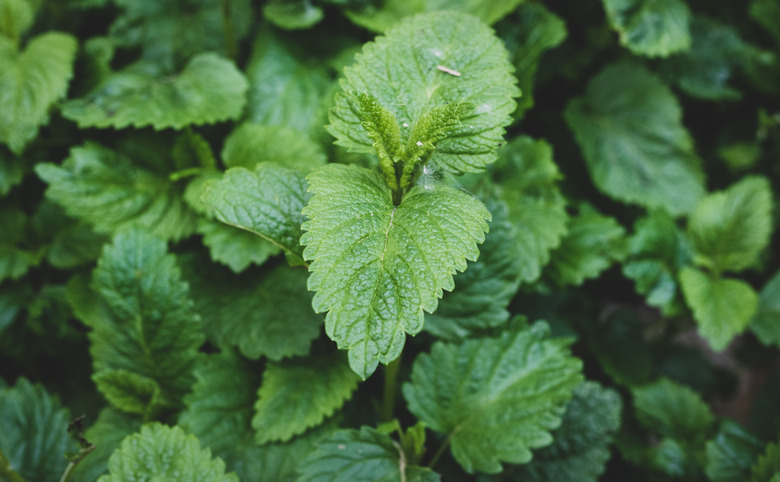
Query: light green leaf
[[656, 252], [129, 392], [495, 398], [767, 467], [106, 434], [285, 88], [292, 14], [590, 245], [266, 201], [251, 144], [424, 63], [159, 452], [482, 292], [269, 313], [359, 456], [580, 448], [16, 16], [377, 266], [299, 394], [30, 82], [722, 307], [210, 89], [766, 323], [112, 191], [34, 435], [673, 410], [235, 247], [529, 181], [147, 326], [654, 28], [729, 229], [391, 12], [629, 128], [731, 453], [528, 33]]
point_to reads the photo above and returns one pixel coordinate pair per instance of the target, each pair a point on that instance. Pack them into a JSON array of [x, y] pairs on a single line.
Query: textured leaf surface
[[128, 391], [580, 447], [406, 71], [731, 454], [299, 394], [360, 456], [495, 398], [766, 324], [730, 228], [722, 307], [106, 433], [34, 433], [592, 242], [376, 266], [673, 410], [629, 129], [30, 82], [112, 192], [391, 12], [269, 313], [159, 452], [266, 201], [654, 28], [210, 89], [529, 183], [148, 326], [482, 292], [253, 143], [656, 252]]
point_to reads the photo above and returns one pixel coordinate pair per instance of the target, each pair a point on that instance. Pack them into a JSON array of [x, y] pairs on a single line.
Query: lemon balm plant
[[329, 240]]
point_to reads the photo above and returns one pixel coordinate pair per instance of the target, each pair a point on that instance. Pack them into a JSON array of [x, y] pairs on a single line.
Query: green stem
[[391, 380], [227, 26], [439, 453], [6, 470]]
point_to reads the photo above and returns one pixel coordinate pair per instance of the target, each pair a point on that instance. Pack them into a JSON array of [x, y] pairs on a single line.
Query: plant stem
[[227, 26], [388, 400], [439, 453]]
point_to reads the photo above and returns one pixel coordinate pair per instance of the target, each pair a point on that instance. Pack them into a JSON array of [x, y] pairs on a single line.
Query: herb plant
[[325, 240]]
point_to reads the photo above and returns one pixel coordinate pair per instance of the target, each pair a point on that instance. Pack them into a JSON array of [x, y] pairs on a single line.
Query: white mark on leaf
[[448, 70]]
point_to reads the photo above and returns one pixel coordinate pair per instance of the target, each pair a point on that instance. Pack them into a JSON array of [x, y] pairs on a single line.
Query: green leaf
[[12, 171], [129, 392], [299, 394], [528, 33], [14, 259], [590, 245], [580, 448], [269, 313], [251, 144], [34, 437], [365, 455], [70, 243], [376, 266], [391, 12], [495, 398], [766, 323], [767, 468], [292, 14], [482, 292], [267, 202], [210, 89], [285, 88], [30, 82], [708, 69], [147, 326], [529, 185], [159, 452], [106, 434], [767, 14], [112, 191], [673, 410], [722, 307], [653, 28], [191, 150], [16, 16], [235, 247], [729, 229], [434, 60], [731, 453], [656, 252], [629, 128]]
